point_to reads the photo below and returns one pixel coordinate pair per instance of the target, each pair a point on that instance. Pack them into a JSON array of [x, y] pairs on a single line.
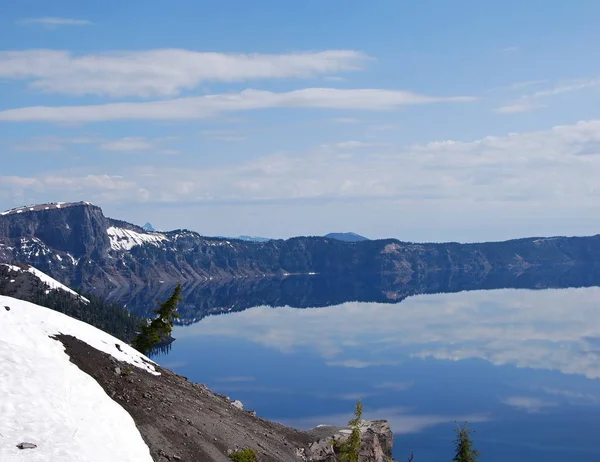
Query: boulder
[[376, 442]]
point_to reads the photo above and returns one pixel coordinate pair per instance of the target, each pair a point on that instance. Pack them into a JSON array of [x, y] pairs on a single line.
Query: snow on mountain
[[51, 283], [47, 400], [126, 239], [40, 207]]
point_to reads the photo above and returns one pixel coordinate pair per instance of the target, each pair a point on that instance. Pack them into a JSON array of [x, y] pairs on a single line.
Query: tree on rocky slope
[[350, 448], [154, 332]]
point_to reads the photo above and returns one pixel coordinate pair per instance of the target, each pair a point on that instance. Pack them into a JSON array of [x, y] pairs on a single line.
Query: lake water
[[521, 366]]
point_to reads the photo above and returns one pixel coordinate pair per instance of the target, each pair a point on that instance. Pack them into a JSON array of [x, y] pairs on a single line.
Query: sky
[[424, 121]]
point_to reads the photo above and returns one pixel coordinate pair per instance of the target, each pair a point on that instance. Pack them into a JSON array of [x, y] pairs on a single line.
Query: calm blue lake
[[521, 366]]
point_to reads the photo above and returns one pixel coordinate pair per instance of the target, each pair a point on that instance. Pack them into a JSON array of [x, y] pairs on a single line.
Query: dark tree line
[[109, 317]]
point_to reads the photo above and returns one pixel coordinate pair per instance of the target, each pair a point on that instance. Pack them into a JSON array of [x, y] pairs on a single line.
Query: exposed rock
[[376, 442], [26, 445], [238, 404]]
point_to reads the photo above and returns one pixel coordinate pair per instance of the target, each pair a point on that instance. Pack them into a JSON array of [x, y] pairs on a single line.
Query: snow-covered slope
[[51, 283], [126, 239], [46, 400]]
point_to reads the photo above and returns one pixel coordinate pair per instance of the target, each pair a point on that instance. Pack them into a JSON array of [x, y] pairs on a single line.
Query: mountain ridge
[[76, 244], [348, 237]]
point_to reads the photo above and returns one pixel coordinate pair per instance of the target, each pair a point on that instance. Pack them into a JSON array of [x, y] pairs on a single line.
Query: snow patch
[[40, 207], [33, 247], [53, 283], [126, 239], [48, 401]]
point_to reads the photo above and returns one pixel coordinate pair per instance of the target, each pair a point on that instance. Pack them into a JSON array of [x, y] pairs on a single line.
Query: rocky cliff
[[76, 244]]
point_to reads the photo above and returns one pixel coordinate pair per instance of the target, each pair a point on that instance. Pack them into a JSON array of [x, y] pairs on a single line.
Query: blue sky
[[426, 121]]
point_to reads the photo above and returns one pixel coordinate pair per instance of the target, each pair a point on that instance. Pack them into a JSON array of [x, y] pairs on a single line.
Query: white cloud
[[567, 87], [345, 120], [548, 168], [50, 143], [54, 22], [212, 105], [511, 49], [362, 364], [164, 72], [402, 421], [544, 331], [573, 396], [41, 145], [127, 144], [529, 102], [352, 144], [515, 108], [384, 127], [73, 184], [525, 84], [528, 404], [236, 379], [227, 135], [229, 138], [395, 386]]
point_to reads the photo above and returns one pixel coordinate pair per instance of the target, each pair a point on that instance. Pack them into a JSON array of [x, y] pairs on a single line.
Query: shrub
[[243, 455]]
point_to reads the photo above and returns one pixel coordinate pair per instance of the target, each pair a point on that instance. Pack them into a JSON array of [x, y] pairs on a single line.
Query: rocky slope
[[77, 245], [182, 420]]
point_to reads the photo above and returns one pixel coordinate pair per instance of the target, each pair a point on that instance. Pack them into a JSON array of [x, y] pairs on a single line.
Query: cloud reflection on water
[[545, 329]]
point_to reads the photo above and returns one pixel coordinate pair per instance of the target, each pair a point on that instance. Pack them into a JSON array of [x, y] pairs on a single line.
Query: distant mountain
[[77, 245], [254, 238], [347, 237], [148, 227]]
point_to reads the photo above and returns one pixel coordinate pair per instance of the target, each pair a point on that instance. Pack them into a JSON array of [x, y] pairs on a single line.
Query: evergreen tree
[[153, 332], [350, 448], [464, 446]]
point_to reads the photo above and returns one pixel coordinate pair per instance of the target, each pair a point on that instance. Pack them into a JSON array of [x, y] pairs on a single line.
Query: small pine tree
[[350, 448], [153, 332], [465, 452]]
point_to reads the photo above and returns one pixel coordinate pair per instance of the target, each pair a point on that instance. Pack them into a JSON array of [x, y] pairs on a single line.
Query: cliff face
[[78, 245]]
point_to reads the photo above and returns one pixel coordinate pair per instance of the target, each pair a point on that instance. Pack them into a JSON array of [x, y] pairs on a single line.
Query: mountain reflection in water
[[522, 366], [209, 298]]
